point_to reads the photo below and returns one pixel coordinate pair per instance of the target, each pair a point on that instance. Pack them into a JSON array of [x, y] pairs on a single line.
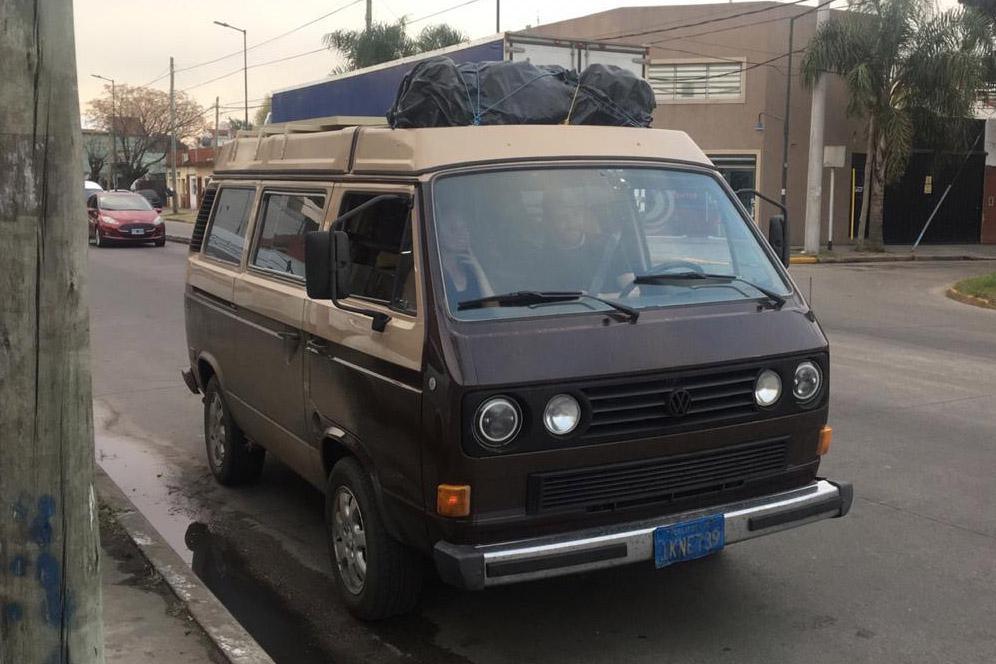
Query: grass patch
[[983, 287], [185, 216]]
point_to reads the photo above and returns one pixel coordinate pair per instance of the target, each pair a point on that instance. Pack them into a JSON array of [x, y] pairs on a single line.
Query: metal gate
[[909, 202]]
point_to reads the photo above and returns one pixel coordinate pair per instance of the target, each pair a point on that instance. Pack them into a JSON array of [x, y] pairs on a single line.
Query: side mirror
[[778, 237], [326, 273]]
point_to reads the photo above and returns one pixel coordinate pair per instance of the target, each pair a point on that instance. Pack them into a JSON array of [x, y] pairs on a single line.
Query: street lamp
[[759, 125], [114, 139], [245, 68]]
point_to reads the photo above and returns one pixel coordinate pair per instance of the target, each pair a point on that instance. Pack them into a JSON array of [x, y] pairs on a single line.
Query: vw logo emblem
[[678, 403]]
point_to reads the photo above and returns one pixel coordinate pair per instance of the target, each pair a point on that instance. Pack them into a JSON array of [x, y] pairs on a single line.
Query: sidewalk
[[901, 252], [143, 619], [178, 231], [155, 608]]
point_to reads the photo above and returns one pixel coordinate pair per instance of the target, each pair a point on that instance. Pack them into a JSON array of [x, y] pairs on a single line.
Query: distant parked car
[[153, 197], [122, 216], [89, 188]]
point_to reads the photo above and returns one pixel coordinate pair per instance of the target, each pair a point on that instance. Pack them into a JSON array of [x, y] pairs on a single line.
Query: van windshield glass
[[615, 233]]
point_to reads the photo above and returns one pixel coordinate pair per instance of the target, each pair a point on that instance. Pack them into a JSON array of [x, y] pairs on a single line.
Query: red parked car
[[123, 216]]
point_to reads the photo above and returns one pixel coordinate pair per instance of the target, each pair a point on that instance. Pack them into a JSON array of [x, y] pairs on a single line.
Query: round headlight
[[768, 388], [807, 381], [562, 415], [498, 421]]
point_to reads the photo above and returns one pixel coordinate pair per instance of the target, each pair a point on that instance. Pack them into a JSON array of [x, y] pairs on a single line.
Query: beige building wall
[[725, 127]]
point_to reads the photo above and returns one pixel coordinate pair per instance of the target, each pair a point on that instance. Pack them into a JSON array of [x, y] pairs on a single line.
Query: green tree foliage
[[235, 124], [264, 110], [909, 70], [387, 41]]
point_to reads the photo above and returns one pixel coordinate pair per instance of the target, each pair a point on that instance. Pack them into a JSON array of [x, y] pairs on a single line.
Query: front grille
[[641, 408], [127, 228], [661, 480]]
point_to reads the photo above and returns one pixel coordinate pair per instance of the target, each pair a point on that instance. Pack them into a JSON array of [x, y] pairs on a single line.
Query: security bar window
[[696, 81]]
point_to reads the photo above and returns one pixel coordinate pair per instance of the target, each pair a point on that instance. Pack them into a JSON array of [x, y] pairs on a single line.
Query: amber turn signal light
[[453, 500], [826, 436]]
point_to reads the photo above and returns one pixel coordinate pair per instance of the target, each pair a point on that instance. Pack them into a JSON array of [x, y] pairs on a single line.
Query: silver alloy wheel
[[216, 431], [349, 540]]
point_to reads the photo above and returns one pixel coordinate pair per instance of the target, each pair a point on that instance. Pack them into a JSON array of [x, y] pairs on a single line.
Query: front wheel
[[99, 239], [161, 243], [378, 577], [233, 460]]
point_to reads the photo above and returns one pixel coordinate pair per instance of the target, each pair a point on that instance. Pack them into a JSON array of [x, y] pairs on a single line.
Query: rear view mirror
[[326, 265], [778, 228], [778, 237]]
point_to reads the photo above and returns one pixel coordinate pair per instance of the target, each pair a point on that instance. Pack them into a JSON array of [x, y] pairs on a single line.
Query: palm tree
[[387, 41], [909, 70]]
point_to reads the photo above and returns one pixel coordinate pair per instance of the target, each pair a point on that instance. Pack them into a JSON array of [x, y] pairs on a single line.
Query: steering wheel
[[662, 268]]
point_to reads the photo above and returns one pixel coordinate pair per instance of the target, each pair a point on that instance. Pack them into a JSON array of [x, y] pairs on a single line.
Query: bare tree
[[50, 578], [96, 151], [141, 118]]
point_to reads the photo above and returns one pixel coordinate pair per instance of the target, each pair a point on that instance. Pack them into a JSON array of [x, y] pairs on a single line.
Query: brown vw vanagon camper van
[[519, 351]]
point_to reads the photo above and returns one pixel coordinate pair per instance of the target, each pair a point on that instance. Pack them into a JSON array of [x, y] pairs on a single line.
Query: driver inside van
[[583, 256], [462, 271]]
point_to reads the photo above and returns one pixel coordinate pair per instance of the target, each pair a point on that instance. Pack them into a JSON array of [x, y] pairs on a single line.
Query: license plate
[[689, 540], [138, 231]]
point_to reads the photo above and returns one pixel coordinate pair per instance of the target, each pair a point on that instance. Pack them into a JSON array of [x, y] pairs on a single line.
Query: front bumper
[[476, 567]]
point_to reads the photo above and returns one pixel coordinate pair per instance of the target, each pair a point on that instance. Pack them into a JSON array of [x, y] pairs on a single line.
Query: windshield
[[595, 231], [124, 202]]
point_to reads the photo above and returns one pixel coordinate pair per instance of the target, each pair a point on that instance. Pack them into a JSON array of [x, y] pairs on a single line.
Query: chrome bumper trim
[[475, 567]]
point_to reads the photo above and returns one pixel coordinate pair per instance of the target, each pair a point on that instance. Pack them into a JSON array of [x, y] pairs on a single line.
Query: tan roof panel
[[418, 150], [408, 151]]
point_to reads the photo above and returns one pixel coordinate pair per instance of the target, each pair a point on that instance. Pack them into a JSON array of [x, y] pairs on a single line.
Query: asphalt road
[[908, 576]]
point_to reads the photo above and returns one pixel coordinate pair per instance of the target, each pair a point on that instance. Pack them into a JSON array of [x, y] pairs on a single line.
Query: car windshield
[[123, 202], [643, 237]]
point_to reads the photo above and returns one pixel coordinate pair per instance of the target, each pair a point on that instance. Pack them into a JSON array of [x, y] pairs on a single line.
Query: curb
[[178, 238], [228, 636], [965, 298], [885, 258]]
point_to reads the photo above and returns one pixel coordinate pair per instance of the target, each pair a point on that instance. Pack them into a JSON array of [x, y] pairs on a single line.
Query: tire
[[161, 243], [378, 577], [99, 240], [232, 458]]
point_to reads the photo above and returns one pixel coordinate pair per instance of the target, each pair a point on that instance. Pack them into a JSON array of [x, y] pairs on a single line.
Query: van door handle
[[290, 336], [292, 341], [317, 347]]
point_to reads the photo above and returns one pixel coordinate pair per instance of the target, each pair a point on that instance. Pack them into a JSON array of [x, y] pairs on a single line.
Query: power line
[[744, 25], [442, 11], [253, 66], [271, 39], [706, 21]]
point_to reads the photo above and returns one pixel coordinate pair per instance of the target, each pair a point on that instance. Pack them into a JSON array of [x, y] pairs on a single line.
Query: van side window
[[380, 247], [284, 219], [227, 235]]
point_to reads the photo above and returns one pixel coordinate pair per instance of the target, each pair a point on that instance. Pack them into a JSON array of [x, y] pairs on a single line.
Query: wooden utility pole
[[369, 17], [217, 110], [172, 132], [49, 548]]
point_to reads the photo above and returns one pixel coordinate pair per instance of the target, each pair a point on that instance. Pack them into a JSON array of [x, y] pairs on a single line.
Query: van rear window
[[227, 236]]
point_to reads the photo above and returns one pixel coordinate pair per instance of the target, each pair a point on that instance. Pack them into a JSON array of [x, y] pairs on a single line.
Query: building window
[[697, 81]]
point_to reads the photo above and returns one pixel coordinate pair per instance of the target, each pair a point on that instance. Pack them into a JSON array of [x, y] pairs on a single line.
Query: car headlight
[[768, 388], [562, 415], [109, 220], [807, 381], [157, 221], [497, 421]]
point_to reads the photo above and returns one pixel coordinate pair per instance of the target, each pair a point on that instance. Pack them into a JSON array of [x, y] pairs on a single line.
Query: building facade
[[720, 72]]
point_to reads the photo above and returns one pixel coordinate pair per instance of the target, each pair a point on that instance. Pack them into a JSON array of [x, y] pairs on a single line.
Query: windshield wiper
[[778, 301], [529, 298]]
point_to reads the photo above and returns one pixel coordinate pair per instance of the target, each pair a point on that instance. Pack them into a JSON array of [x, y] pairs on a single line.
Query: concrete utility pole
[[498, 16], [172, 132], [814, 173], [50, 576], [216, 113], [369, 13]]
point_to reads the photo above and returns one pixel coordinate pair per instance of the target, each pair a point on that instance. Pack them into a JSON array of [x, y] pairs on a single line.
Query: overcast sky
[[131, 41]]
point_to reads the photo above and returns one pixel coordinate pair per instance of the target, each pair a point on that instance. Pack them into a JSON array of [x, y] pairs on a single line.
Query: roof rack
[[313, 125]]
